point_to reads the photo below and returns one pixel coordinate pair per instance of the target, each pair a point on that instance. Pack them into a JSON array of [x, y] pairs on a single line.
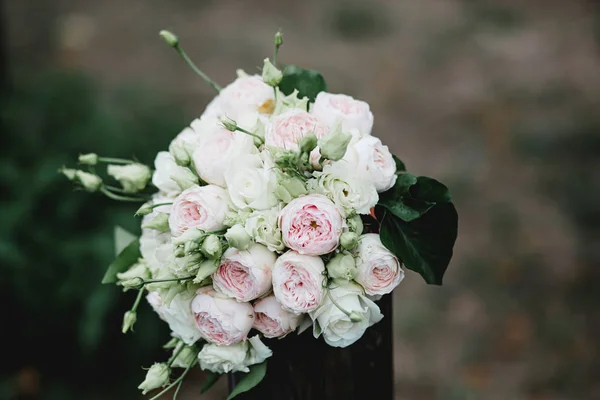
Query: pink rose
[[201, 207], [286, 130], [221, 320], [311, 225], [245, 274], [355, 115], [298, 282], [379, 271], [272, 320]]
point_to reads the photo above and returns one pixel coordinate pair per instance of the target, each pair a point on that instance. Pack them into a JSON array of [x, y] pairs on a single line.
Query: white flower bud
[[333, 145], [157, 376], [133, 177], [342, 266], [206, 269], [90, 182], [355, 224], [308, 143], [349, 240], [238, 237], [129, 319], [68, 172], [270, 74], [88, 159], [159, 223], [180, 152], [144, 210], [185, 358], [211, 247], [170, 38]]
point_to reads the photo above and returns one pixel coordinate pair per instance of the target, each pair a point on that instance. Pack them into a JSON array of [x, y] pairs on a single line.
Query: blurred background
[[498, 99]]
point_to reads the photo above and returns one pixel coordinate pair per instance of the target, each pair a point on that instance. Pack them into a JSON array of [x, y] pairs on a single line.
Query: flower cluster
[[265, 220]]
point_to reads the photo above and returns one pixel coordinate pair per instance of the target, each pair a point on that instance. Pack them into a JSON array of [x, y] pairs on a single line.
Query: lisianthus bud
[[190, 247], [294, 186], [211, 247], [144, 210], [206, 269], [278, 39], [136, 271], [180, 153], [229, 124], [308, 142], [282, 194], [355, 224], [132, 283], [270, 74], [342, 266], [157, 376], [170, 38], [189, 235], [90, 182], [333, 145], [238, 237], [129, 319], [185, 358], [133, 177], [179, 252], [88, 159], [68, 172], [159, 223], [355, 317], [349, 240]]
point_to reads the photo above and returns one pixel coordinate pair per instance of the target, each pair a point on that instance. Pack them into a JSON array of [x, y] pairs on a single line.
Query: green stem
[[110, 160], [250, 133], [114, 196], [137, 300], [177, 389], [114, 189], [197, 70], [168, 280], [176, 382]]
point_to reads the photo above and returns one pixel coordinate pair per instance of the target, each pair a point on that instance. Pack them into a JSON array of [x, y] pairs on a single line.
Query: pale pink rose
[[379, 271], [272, 320], [217, 148], [311, 225], [245, 274], [288, 128], [201, 207], [298, 282], [355, 115], [221, 320], [369, 157]]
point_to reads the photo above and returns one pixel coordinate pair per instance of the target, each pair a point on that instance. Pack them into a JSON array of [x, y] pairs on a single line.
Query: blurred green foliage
[[63, 324]]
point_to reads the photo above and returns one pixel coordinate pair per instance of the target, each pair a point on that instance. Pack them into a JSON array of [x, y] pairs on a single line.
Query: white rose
[[351, 192], [251, 182], [202, 207], [233, 358], [245, 274], [178, 315], [336, 326], [272, 320], [298, 282], [379, 271], [221, 320], [262, 227], [217, 149], [355, 115], [368, 156], [168, 176], [244, 100]]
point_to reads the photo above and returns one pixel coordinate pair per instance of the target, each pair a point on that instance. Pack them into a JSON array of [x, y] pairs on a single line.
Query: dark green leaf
[[412, 196], [251, 379], [400, 167], [424, 245], [308, 82], [124, 260], [122, 239], [211, 379]]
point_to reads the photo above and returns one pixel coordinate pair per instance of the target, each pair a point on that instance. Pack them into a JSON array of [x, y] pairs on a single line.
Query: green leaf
[[211, 379], [122, 239], [412, 196], [308, 82], [126, 258], [425, 244], [251, 379], [400, 167]]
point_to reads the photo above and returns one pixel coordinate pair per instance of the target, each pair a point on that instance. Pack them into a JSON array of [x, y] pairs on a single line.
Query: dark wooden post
[[304, 368]]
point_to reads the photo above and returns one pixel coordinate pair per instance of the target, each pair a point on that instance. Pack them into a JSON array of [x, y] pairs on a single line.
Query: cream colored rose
[[168, 176], [245, 274], [202, 207], [251, 182], [298, 282], [233, 358], [335, 325], [221, 320], [379, 271], [178, 315], [367, 156]]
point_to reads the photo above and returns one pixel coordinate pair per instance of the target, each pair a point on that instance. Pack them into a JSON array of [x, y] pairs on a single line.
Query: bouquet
[[274, 212]]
